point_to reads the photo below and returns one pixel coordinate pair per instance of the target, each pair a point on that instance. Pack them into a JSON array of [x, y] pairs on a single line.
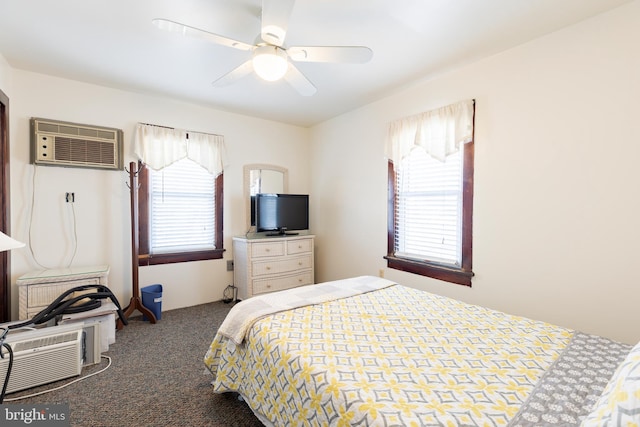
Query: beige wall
[[102, 197], [5, 75], [557, 204]]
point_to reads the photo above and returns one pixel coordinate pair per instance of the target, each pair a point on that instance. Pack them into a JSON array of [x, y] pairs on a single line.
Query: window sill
[[146, 259], [435, 271]]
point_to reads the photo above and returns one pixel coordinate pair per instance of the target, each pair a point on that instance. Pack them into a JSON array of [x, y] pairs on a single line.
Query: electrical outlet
[[70, 197], [230, 265]]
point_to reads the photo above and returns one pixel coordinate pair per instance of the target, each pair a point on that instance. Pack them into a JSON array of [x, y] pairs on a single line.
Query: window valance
[[439, 132], [159, 147]]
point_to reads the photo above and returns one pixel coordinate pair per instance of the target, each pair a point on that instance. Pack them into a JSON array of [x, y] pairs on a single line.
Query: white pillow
[[619, 404]]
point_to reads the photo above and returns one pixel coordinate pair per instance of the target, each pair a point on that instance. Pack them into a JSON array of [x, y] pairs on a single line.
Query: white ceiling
[[113, 43]]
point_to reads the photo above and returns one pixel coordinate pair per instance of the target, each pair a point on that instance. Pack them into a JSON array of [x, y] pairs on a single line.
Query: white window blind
[[429, 208], [182, 199]]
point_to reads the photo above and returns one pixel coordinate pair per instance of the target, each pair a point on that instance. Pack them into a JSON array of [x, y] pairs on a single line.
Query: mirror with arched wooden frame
[[262, 178]]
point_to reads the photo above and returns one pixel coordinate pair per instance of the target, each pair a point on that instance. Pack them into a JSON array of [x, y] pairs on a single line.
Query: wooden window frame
[[447, 273], [145, 258]]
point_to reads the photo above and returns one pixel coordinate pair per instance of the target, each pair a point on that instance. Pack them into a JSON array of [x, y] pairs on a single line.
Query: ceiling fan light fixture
[[270, 62]]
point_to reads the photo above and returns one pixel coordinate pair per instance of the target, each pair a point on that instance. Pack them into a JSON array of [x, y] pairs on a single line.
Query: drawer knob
[[268, 268], [268, 286], [299, 263], [267, 250]]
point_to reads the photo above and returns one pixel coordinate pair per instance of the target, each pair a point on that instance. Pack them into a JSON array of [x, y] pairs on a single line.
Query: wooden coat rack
[[136, 302]]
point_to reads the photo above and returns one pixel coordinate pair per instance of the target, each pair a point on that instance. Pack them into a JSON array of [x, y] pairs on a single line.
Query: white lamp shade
[[7, 243], [270, 62]]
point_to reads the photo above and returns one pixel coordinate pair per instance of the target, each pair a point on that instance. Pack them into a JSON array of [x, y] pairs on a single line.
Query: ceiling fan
[[269, 55]]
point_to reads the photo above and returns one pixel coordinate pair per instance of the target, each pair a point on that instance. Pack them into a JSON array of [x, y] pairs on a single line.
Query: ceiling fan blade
[[275, 20], [343, 54], [185, 30], [234, 74], [299, 82]]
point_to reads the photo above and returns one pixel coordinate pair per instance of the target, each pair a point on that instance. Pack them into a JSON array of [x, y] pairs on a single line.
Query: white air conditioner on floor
[[42, 356]]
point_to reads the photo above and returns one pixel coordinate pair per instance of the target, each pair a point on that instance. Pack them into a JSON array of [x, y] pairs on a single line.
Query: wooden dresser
[[268, 264]]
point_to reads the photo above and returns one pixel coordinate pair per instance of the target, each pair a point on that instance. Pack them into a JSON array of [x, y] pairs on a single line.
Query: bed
[[367, 351]]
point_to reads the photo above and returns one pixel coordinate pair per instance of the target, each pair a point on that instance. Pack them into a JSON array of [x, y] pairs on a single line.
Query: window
[[430, 204], [180, 214], [180, 199]]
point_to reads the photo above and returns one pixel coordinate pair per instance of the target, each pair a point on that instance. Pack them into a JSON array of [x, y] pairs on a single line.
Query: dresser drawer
[[267, 249], [299, 246], [261, 286], [281, 265]]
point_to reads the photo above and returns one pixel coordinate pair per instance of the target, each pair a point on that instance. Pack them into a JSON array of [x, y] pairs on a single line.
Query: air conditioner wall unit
[[57, 143], [43, 356]]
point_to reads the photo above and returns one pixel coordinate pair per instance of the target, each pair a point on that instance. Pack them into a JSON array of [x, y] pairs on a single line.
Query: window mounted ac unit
[[56, 143], [42, 356]]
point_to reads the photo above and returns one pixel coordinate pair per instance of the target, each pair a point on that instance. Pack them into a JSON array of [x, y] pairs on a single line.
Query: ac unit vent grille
[[42, 368], [56, 143], [48, 127], [83, 151], [44, 342]]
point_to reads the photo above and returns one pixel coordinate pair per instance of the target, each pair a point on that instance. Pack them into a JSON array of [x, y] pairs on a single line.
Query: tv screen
[[282, 212]]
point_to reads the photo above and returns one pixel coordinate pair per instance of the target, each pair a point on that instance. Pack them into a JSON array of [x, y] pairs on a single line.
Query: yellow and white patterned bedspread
[[395, 356]]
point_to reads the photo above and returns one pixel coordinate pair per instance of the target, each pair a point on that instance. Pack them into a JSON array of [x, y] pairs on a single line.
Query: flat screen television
[[278, 214]]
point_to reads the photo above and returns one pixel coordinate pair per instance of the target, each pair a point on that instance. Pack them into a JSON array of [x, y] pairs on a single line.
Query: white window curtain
[[159, 147], [439, 132]]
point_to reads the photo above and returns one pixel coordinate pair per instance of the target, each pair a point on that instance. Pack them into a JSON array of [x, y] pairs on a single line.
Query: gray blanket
[[571, 387]]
